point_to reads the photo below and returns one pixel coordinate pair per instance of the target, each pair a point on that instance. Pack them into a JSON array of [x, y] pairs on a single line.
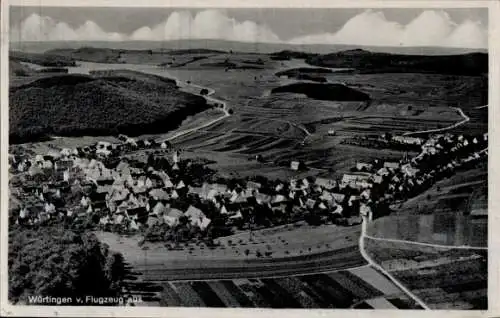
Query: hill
[[43, 59], [234, 46], [102, 104], [333, 92], [18, 69], [372, 62]]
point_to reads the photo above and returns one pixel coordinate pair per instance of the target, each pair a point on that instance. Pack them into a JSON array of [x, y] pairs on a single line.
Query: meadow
[[442, 278]]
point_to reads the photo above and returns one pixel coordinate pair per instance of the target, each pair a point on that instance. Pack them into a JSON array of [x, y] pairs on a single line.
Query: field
[[442, 278], [277, 251], [440, 215], [360, 287]]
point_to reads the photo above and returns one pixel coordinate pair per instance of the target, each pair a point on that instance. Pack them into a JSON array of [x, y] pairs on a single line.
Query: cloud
[[208, 24], [370, 28], [430, 28], [38, 28]]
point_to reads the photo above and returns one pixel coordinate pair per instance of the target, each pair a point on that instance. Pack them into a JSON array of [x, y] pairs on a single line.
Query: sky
[[465, 27]]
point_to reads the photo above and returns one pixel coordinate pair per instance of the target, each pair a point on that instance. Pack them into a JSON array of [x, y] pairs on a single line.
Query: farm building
[[325, 183], [352, 179], [408, 140], [409, 171], [391, 165], [360, 166]]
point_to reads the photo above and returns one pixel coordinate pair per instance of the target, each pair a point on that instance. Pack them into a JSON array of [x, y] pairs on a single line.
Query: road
[[208, 98], [370, 261], [459, 110]]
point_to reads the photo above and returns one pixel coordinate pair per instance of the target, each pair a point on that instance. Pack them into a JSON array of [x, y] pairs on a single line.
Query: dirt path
[[383, 271], [465, 247]]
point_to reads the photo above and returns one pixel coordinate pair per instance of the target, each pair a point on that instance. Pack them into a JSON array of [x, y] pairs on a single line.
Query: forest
[[104, 104]]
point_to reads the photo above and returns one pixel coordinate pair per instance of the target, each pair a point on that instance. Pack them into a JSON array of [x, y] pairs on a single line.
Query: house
[[251, 185], [391, 165], [361, 166], [35, 170], [223, 210], [205, 222], [383, 172], [322, 206], [237, 215], [104, 189], [339, 197], [351, 178], [409, 171], [174, 195], [197, 217], [238, 198], [172, 217], [377, 179], [66, 152], [176, 157], [352, 199], [122, 165], [327, 196], [47, 164], [408, 140], [159, 209], [279, 187], [50, 208], [263, 198], [295, 165], [133, 226], [139, 190], [181, 185], [326, 183], [104, 148], [118, 194], [194, 213], [152, 220], [337, 209], [279, 199], [310, 203], [366, 194], [355, 220]]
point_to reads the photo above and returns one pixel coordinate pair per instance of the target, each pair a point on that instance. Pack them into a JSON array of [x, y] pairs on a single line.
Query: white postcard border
[[493, 172]]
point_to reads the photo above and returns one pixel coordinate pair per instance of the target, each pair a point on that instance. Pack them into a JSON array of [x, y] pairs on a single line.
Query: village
[[172, 200]]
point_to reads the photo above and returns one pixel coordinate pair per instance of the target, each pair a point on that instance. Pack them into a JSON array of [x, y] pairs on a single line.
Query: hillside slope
[[110, 103], [372, 62], [333, 92]]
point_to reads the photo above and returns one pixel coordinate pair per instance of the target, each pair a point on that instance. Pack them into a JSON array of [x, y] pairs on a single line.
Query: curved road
[[382, 270], [207, 97], [459, 110]]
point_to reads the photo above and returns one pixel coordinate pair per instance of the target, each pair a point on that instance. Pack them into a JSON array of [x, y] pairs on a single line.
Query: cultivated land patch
[[439, 215], [360, 287], [442, 278]]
